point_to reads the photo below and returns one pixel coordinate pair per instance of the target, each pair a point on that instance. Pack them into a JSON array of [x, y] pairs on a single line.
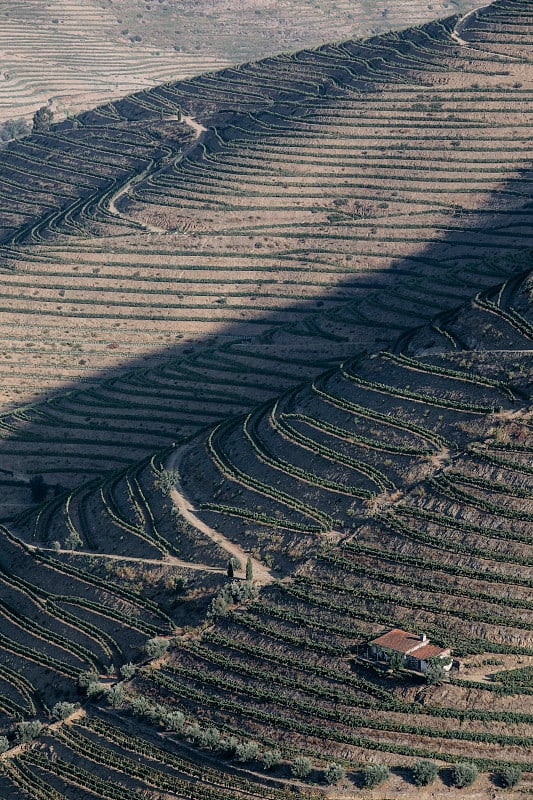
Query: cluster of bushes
[[168, 478], [211, 738], [63, 710], [423, 772], [233, 593], [89, 682], [13, 129]]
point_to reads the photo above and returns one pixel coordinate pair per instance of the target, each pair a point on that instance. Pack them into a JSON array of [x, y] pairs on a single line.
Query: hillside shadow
[[56, 440]]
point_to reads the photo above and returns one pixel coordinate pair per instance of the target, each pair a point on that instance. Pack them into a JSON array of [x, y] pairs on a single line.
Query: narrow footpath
[[198, 130], [262, 575], [171, 561]]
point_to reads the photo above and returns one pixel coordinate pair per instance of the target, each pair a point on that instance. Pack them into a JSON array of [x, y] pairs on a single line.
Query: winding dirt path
[[456, 34], [124, 189], [198, 129], [262, 575]]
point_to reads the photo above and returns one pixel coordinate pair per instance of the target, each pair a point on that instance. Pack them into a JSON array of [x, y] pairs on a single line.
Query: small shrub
[[95, 690], [42, 119], [115, 696], [73, 541], [168, 478], [333, 773], [228, 746], [424, 772], [27, 731], [155, 648], [395, 661], [174, 721], [210, 738], [510, 776], [435, 671], [179, 585], [63, 710], [271, 759], [193, 733], [13, 129], [156, 713], [127, 671], [235, 592], [140, 705], [4, 744], [248, 751], [301, 767], [86, 678], [218, 607], [464, 773], [374, 774]]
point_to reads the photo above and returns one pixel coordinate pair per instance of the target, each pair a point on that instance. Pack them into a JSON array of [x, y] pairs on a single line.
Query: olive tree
[[464, 773], [64, 710], [374, 774], [248, 751], [424, 772], [301, 767], [156, 647], [42, 119], [27, 731], [510, 776], [333, 773], [271, 759]]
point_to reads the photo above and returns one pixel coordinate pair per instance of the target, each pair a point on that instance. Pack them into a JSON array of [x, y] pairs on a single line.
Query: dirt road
[[262, 575]]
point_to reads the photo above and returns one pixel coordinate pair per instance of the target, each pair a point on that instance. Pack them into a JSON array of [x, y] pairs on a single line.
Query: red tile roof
[[429, 651], [408, 643], [402, 641]]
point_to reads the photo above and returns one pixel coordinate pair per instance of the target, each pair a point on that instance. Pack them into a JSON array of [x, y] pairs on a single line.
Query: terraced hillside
[[297, 412], [400, 487], [392, 491], [142, 258], [71, 55]]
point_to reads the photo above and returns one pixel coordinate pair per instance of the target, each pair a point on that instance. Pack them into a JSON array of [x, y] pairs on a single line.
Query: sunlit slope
[[359, 190], [255, 28], [72, 55]]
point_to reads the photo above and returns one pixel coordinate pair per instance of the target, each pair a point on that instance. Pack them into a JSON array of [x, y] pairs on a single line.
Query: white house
[[415, 651]]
